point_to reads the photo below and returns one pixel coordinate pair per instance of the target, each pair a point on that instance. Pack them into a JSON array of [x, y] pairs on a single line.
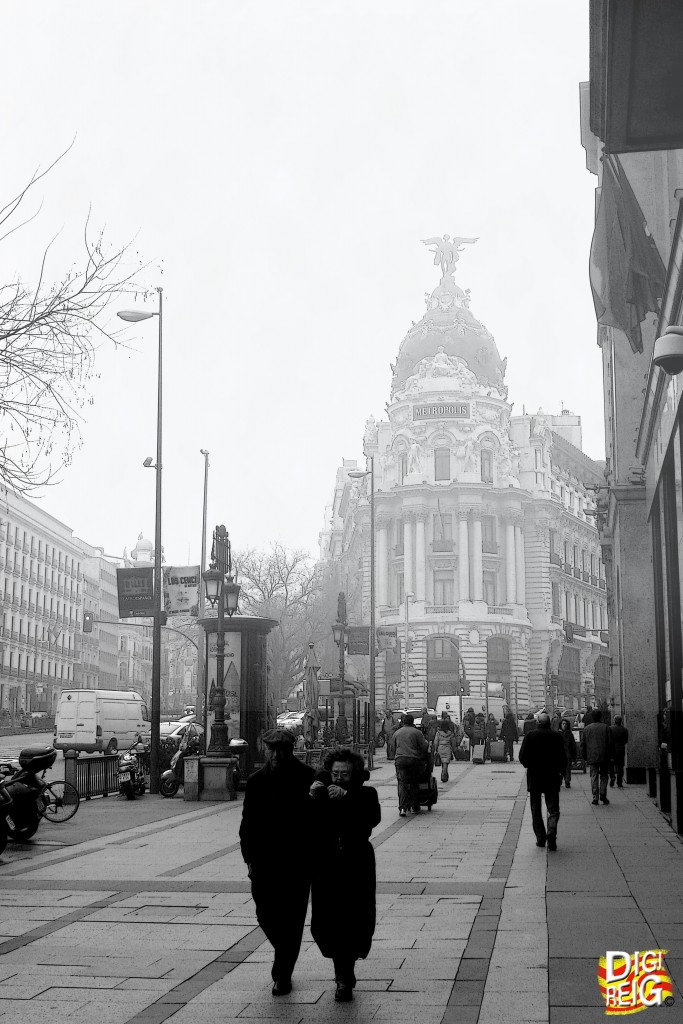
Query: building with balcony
[[487, 555], [41, 593]]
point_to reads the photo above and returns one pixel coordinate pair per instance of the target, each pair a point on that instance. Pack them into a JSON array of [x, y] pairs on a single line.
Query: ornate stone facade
[[469, 502]]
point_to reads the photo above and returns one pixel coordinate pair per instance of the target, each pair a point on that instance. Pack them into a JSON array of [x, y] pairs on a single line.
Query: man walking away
[[542, 754], [529, 723], [619, 741], [509, 734], [411, 760], [596, 750], [277, 842]]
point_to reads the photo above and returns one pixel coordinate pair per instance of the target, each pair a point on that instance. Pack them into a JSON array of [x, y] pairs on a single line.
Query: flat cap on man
[[279, 737]]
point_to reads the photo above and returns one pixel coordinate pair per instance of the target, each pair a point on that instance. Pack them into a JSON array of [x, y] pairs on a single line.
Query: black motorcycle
[[131, 771], [174, 777], [33, 798]]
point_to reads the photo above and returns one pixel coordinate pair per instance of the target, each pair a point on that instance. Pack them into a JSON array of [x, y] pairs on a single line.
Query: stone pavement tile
[[301, 992], [390, 1012], [510, 956], [473, 970], [412, 982], [214, 1014], [467, 993], [505, 1006], [444, 970], [578, 1015], [280, 1009], [49, 1012], [19, 987], [594, 937], [442, 932], [573, 981], [515, 979], [156, 985], [383, 968], [480, 945], [397, 942], [454, 948], [372, 985], [461, 1015]]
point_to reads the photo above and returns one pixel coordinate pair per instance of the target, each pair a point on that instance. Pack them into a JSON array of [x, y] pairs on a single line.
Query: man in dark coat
[[509, 734], [542, 754], [596, 750], [277, 842], [619, 741], [529, 723], [587, 716], [412, 752]]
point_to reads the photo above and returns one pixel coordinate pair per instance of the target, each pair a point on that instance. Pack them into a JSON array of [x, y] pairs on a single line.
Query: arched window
[[487, 466]]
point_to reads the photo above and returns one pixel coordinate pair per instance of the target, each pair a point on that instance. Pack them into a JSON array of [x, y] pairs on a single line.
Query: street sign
[[136, 592], [358, 639]]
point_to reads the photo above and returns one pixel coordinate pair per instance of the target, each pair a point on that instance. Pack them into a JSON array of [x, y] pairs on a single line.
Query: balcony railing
[[388, 611], [577, 573], [441, 609], [602, 584], [585, 576], [500, 609], [594, 581], [566, 567], [555, 558]]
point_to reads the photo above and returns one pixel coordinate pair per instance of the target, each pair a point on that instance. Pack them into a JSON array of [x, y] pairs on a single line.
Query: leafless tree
[[49, 332], [288, 586]]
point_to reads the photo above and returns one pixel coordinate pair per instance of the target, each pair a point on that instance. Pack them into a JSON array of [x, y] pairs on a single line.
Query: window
[[538, 457], [488, 534], [556, 599], [399, 537], [575, 552], [437, 648], [443, 587], [568, 606], [490, 588], [498, 659], [487, 465], [400, 591], [566, 546], [586, 620], [402, 466], [442, 525], [442, 463]]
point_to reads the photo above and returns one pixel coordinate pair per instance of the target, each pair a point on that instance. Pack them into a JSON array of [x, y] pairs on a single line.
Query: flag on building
[[626, 271], [54, 632]]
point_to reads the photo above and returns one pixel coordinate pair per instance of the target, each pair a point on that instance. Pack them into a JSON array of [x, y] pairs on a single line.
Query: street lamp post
[[222, 590], [339, 632], [134, 316], [408, 597], [372, 646], [202, 695]]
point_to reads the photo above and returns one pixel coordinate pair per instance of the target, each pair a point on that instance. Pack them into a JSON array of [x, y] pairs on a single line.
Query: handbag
[[437, 760]]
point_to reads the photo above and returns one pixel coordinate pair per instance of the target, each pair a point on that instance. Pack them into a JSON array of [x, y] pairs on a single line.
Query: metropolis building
[[487, 557]]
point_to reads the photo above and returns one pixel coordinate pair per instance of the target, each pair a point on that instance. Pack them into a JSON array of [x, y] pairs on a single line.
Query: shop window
[[442, 463]]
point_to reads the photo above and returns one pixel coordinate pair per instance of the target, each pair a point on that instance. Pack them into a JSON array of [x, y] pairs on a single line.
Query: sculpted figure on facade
[[447, 251], [470, 457], [414, 458], [370, 436], [540, 427]]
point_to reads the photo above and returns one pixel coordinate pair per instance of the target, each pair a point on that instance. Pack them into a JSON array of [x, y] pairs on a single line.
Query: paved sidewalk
[[476, 925]]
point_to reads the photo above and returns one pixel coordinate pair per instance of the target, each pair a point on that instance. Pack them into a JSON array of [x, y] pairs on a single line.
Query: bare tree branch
[[48, 341]]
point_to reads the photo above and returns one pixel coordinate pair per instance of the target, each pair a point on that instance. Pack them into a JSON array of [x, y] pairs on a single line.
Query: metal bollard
[[70, 770]]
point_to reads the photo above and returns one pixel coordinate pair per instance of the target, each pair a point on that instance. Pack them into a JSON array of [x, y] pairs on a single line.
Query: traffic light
[[569, 632], [88, 620], [464, 689]]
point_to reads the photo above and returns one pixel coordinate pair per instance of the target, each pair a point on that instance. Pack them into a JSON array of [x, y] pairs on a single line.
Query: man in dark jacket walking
[[277, 805], [596, 750], [508, 734], [529, 723], [542, 754], [619, 741], [412, 750]]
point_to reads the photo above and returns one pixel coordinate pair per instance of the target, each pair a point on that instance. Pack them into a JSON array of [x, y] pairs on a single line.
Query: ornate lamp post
[[371, 708], [221, 589]]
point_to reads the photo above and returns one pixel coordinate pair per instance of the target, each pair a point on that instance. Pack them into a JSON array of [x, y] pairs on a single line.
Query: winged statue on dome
[[447, 251]]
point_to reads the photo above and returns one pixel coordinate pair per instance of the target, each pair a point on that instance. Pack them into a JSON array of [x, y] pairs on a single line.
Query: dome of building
[[449, 326], [143, 550]]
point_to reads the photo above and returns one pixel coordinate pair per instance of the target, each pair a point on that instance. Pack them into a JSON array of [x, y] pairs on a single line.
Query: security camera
[[148, 462], [668, 351]]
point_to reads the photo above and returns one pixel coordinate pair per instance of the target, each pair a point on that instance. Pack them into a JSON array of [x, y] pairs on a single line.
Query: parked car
[[175, 731], [293, 720]]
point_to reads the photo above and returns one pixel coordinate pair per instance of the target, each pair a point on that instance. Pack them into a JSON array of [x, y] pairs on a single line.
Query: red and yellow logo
[[630, 982]]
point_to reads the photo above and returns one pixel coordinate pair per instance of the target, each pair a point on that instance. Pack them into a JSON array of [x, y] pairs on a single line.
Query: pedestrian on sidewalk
[[276, 805], [412, 751], [619, 741], [468, 729], [529, 723], [596, 750], [588, 718], [389, 727], [428, 725], [444, 744], [346, 811], [509, 734], [542, 754], [445, 717], [569, 749]]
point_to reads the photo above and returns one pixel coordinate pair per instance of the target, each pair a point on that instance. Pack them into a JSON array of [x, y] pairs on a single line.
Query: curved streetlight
[[135, 316]]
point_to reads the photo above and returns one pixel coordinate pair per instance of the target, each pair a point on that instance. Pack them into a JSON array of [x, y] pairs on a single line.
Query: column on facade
[[408, 575], [382, 563], [519, 565], [477, 561], [420, 558], [463, 557], [510, 575]]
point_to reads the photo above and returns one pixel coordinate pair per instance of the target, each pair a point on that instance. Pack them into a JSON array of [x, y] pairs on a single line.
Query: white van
[[100, 720]]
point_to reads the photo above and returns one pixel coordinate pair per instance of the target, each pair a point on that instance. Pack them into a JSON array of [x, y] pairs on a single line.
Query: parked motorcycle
[[32, 798], [5, 804], [173, 778], [130, 770]]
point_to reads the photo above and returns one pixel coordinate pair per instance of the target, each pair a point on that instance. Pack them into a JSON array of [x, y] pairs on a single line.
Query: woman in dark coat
[[509, 734], [346, 812], [569, 749]]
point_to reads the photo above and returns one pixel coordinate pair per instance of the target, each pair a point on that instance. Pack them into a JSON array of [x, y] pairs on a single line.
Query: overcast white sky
[[278, 163]]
